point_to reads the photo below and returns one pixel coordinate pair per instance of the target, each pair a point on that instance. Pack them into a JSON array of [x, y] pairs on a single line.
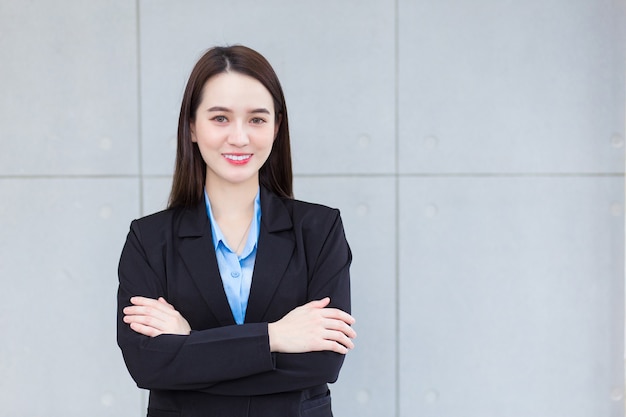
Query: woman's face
[[234, 128]]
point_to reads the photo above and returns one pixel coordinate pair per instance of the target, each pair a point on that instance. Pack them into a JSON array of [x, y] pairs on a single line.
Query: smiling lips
[[237, 159]]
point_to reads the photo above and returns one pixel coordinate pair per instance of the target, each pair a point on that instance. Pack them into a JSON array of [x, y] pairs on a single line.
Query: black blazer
[[222, 369]]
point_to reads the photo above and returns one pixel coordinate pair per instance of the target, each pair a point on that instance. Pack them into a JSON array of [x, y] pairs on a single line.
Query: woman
[[235, 300]]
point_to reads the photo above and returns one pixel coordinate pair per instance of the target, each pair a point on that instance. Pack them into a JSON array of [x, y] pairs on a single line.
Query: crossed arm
[[312, 327]]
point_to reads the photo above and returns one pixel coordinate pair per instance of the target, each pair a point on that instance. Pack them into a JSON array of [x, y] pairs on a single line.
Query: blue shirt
[[236, 270]]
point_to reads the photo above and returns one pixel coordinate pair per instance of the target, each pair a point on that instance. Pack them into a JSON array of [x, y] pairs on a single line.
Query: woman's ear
[[192, 129]]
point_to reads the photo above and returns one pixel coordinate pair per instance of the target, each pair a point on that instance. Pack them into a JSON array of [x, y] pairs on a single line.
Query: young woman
[[235, 300]]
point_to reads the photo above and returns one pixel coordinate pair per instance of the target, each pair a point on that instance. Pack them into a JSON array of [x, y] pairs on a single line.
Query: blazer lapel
[[198, 253], [274, 251]]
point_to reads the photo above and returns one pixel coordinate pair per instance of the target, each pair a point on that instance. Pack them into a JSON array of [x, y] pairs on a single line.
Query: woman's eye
[[257, 120], [220, 119]]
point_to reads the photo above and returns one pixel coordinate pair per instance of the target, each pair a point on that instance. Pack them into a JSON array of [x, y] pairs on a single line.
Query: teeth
[[237, 157]]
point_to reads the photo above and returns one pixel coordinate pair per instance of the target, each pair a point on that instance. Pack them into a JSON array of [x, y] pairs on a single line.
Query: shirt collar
[[253, 234]]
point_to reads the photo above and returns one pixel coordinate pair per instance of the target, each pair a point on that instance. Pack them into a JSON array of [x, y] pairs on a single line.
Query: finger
[[150, 303], [134, 310], [334, 347], [145, 321], [319, 303], [340, 326], [335, 313], [158, 317], [339, 337], [141, 301], [145, 330], [164, 302], [147, 312]]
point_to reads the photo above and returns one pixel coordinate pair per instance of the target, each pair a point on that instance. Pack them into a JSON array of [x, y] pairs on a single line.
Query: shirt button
[[234, 274]]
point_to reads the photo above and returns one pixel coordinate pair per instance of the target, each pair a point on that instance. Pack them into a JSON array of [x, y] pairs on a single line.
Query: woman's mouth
[[237, 159]]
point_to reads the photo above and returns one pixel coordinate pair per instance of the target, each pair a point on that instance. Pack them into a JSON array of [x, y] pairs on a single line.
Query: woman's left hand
[[152, 317]]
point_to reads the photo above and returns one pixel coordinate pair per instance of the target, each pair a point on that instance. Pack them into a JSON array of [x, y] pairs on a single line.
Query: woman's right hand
[[313, 327], [151, 317]]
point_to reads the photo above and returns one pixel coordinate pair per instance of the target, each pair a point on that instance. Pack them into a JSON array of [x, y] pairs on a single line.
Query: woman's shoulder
[[155, 219], [302, 208], [317, 225], [314, 217], [163, 222], [306, 207]]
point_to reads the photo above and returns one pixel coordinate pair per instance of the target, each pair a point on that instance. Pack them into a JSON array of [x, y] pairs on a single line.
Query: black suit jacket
[[223, 369]]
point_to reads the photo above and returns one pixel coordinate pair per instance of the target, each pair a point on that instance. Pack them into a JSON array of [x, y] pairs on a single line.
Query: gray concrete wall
[[476, 150]]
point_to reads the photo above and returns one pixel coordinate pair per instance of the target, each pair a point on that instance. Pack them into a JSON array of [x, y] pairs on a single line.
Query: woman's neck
[[229, 201]]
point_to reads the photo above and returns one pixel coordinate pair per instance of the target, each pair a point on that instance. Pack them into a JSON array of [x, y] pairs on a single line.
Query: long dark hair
[[190, 171]]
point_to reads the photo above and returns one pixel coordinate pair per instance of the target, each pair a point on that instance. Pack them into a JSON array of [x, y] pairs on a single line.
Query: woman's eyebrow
[[226, 109], [260, 110], [219, 108]]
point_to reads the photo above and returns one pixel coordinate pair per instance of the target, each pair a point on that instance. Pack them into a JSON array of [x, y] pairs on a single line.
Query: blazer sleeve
[[329, 276], [175, 362]]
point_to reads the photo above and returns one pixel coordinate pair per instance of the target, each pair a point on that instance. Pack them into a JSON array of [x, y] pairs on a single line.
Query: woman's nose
[[238, 137]]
